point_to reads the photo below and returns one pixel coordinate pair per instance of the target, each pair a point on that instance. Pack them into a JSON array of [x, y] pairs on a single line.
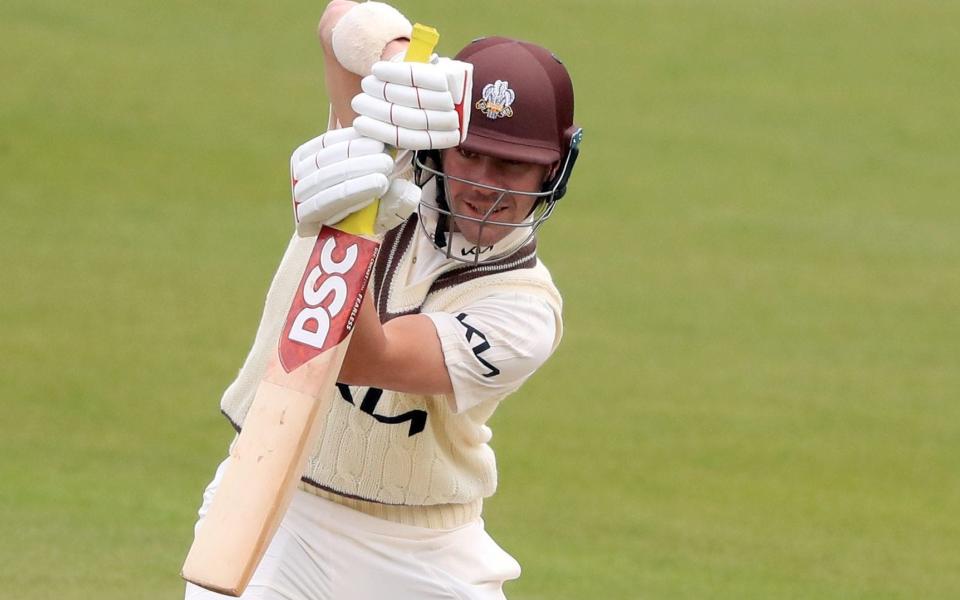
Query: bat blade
[[254, 493], [279, 430]]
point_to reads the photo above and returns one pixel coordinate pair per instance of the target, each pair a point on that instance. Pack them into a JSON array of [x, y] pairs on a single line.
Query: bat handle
[[422, 42]]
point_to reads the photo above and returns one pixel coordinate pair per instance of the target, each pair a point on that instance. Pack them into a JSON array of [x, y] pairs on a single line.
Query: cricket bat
[[270, 454]]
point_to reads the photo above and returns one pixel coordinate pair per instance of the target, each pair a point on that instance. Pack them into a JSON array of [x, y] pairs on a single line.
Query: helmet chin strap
[[440, 231]]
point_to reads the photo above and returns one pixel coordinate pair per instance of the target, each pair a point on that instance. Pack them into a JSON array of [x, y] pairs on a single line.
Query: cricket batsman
[[468, 157]]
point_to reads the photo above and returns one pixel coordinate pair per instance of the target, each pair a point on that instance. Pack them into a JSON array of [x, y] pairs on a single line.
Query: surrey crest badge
[[496, 100]]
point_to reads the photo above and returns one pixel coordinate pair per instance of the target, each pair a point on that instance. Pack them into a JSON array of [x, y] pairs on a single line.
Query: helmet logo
[[496, 101]]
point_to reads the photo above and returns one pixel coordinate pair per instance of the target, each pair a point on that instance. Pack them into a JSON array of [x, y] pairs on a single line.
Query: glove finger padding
[[410, 139], [331, 205], [335, 174], [405, 95], [339, 172], [440, 75], [313, 162], [416, 106], [420, 75], [402, 116], [325, 140]]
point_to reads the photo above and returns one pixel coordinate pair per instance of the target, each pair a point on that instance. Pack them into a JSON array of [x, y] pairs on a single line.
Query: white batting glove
[[415, 105], [341, 172], [396, 205]]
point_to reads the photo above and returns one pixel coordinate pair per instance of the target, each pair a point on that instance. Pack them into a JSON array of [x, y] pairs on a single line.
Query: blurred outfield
[[757, 396]]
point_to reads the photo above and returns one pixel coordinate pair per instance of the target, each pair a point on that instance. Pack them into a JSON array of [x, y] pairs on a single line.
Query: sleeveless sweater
[[403, 457]]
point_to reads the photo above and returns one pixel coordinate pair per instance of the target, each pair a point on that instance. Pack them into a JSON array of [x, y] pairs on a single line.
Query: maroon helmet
[[522, 104], [521, 109]]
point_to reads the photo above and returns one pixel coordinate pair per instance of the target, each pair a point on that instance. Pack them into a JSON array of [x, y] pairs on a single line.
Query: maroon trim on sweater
[[399, 241]]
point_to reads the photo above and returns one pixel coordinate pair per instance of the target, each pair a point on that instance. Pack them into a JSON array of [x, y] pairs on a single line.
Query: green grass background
[[757, 394]]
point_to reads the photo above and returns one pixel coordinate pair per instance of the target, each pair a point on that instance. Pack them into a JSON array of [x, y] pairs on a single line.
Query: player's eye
[[466, 153]]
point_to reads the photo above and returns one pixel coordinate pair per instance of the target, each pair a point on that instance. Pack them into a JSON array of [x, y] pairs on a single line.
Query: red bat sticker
[[329, 296]]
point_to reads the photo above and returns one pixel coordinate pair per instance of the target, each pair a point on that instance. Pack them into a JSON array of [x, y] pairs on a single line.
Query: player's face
[[482, 203]]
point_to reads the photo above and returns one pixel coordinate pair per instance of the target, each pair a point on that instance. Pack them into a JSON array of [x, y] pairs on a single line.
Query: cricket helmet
[[521, 110]]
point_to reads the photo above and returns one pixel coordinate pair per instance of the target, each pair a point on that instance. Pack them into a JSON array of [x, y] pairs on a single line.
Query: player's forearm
[[404, 355], [342, 84]]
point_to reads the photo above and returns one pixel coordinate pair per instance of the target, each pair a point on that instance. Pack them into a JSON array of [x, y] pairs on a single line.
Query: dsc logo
[[328, 298], [323, 282]]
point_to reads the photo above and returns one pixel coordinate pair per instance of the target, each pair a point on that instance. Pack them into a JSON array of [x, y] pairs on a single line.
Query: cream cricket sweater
[[403, 457]]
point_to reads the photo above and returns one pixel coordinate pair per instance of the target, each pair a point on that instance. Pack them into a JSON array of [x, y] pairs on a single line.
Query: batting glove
[[341, 172], [416, 106]]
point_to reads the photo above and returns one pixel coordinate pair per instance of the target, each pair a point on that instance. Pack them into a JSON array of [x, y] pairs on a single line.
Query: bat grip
[[422, 42]]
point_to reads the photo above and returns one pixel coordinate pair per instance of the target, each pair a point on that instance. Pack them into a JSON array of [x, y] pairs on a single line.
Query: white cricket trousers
[[325, 551]]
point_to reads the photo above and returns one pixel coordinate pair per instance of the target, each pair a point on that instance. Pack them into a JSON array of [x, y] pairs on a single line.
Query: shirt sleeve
[[493, 345]]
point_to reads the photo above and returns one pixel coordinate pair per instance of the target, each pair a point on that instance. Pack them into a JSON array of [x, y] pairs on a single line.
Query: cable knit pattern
[[397, 456]]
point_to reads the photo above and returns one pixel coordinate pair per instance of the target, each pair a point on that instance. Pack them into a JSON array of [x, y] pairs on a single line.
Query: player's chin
[[482, 234]]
